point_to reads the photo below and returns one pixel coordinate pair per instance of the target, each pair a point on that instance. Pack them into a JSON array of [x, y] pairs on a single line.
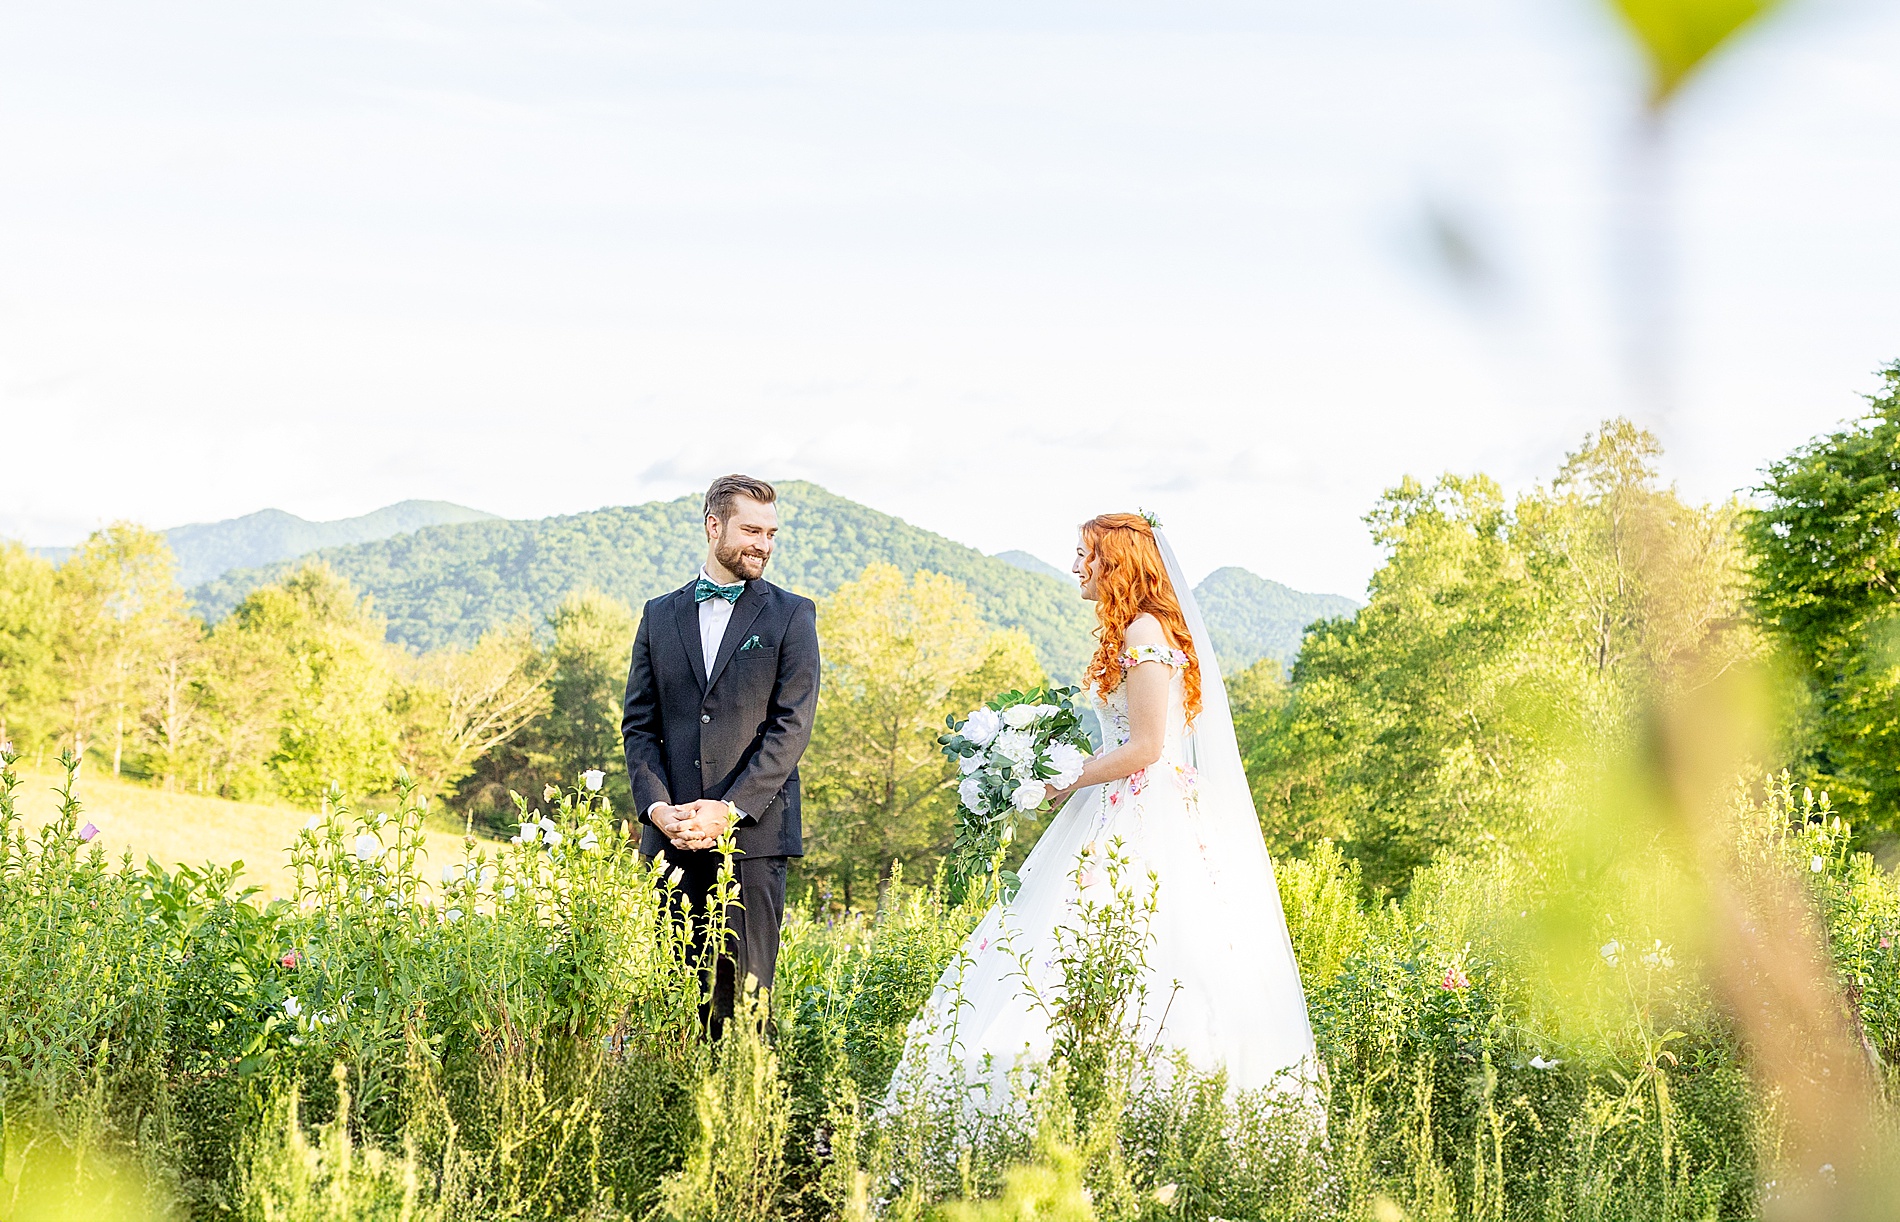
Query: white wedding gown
[[1222, 984]]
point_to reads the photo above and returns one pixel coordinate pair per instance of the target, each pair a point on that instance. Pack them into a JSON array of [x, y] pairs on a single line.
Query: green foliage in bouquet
[[997, 789]]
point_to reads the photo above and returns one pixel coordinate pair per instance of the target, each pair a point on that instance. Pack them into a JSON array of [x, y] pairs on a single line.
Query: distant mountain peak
[[1029, 563], [207, 550]]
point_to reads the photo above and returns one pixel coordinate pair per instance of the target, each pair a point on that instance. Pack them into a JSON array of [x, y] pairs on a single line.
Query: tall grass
[[521, 1037]]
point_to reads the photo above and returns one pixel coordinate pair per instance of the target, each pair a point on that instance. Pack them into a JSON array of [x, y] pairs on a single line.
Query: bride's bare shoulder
[[1145, 629]]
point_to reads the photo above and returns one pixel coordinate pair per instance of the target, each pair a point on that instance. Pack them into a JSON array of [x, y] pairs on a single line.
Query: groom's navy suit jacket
[[736, 736]]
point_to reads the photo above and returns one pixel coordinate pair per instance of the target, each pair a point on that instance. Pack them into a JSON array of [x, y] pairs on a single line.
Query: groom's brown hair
[[719, 497]]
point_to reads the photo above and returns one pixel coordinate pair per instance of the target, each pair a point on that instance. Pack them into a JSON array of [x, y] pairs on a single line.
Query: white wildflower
[[1164, 1195], [508, 892], [1019, 716], [530, 832], [452, 915], [547, 824], [1816, 865], [292, 1007], [311, 824], [553, 839], [1659, 956], [368, 847], [1610, 950], [1029, 795], [982, 726], [592, 778], [1542, 1062], [676, 876], [590, 841], [448, 876]]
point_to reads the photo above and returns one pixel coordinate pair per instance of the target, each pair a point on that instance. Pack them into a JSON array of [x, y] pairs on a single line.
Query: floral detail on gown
[[1221, 981]]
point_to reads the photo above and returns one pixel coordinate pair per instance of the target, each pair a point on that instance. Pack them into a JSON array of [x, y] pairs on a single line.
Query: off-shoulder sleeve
[[1135, 655]]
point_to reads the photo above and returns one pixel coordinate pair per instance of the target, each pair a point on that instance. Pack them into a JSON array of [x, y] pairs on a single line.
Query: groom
[[719, 709]]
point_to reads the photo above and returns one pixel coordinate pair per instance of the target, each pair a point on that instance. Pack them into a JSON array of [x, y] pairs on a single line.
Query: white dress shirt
[[714, 615]]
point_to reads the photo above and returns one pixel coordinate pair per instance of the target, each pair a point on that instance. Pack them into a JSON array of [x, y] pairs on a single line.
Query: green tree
[[1826, 551], [592, 651], [899, 656], [455, 705], [1500, 640], [322, 652], [117, 604], [29, 687]]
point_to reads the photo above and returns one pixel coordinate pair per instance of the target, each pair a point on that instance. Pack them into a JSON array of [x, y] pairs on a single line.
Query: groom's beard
[[741, 560]]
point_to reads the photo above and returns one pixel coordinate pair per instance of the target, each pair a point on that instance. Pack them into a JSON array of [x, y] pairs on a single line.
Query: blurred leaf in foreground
[[1678, 35]]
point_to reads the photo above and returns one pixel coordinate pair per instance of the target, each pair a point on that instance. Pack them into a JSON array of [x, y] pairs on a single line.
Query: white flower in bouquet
[[1067, 761], [1020, 716], [969, 763], [982, 726], [970, 793], [1029, 795], [1018, 748]]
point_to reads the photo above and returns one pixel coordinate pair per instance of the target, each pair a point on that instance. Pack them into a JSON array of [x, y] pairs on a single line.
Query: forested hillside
[[447, 584], [1251, 618]]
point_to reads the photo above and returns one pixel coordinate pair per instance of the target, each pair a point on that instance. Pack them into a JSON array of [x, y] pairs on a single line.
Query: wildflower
[[292, 1007], [452, 915], [589, 842], [508, 892], [1455, 978], [88, 831], [365, 895], [291, 959], [1815, 864], [1807, 796], [368, 847], [1610, 950], [1542, 1062], [1885, 942], [1164, 1195], [1659, 956], [592, 779], [448, 876], [547, 824], [310, 824], [676, 876], [553, 839], [6, 748], [530, 832], [549, 793]]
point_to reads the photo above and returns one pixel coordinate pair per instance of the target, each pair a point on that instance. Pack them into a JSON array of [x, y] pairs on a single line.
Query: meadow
[[1578, 827]]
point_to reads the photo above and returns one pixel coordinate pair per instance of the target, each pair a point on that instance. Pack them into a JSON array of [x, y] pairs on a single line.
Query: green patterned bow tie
[[711, 589]]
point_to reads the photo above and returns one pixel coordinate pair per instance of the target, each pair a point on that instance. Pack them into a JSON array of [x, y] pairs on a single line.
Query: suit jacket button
[[705, 717]]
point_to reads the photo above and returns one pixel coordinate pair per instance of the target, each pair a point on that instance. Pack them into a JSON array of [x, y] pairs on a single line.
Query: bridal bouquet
[[1012, 754]]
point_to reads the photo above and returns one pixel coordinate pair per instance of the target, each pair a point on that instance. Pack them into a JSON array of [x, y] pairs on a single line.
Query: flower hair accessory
[[1148, 516]]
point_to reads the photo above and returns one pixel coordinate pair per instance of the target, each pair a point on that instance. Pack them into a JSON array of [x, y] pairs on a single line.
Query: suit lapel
[[686, 618], [744, 612]]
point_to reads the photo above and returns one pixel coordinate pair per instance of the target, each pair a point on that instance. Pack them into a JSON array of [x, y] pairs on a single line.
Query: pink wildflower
[[88, 831], [1455, 978], [1886, 943], [291, 959]]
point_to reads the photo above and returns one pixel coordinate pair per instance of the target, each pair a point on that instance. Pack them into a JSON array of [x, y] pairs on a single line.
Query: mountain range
[[445, 582], [208, 550]]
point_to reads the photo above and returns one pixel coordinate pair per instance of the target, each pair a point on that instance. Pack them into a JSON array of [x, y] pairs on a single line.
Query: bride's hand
[[1060, 796]]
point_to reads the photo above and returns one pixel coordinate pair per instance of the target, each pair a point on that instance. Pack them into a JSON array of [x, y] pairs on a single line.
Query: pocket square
[[752, 642]]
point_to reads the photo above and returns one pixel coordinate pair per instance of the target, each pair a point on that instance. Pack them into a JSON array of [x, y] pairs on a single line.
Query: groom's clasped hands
[[696, 825]]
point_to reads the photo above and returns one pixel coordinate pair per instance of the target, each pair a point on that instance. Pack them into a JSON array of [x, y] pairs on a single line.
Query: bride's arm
[[1147, 687]]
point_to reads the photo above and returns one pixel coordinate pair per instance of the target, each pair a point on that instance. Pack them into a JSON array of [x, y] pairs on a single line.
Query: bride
[[1168, 793]]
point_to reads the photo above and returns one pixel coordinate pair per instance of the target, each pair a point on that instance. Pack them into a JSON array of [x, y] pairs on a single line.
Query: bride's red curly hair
[[1133, 579]]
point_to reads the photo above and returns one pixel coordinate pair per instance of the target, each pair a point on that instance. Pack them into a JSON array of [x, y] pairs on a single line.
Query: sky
[[992, 267]]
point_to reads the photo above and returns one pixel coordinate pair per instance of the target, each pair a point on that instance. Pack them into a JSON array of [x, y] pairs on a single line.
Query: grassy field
[[175, 828]]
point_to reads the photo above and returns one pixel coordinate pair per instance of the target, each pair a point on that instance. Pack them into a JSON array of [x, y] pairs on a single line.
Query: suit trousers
[[752, 925]]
